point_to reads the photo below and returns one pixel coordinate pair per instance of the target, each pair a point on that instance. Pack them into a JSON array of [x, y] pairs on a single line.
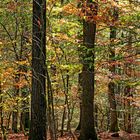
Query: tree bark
[[38, 127], [112, 85], [129, 70], [51, 115], [89, 32]]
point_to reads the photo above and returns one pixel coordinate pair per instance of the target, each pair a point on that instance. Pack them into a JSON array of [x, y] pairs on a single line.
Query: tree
[[89, 31], [112, 85], [38, 98]]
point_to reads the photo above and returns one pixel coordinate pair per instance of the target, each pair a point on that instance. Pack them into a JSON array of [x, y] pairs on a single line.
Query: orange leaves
[[11, 6], [10, 72], [95, 12], [22, 82], [70, 9]]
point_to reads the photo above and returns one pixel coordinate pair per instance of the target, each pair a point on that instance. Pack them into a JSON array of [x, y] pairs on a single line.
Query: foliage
[[64, 40]]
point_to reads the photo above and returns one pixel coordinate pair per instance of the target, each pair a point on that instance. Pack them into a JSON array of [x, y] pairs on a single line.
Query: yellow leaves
[[22, 62], [114, 3], [64, 37], [70, 9], [62, 21], [7, 104]]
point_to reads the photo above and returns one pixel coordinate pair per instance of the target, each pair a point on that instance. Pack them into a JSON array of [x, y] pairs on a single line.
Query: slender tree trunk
[[38, 127], [51, 116], [80, 104], [15, 121], [63, 121], [113, 113], [89, 30], [112, 85], [16, 112], [24, 121], [8, 121], [65, 84], [127, 114], [3, 128], [79, 124], [96, 116], [108, 118], [128, 90]]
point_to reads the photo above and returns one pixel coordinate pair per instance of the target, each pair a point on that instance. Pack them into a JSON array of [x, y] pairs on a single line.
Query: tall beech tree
[[89, 32], [38, 127]]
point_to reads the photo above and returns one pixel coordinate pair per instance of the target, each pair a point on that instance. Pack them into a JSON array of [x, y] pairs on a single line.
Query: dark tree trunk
[[80, 104], [15, 121], [38, 127], [87, 121], [24, 121], [113, 113], [112, 85]]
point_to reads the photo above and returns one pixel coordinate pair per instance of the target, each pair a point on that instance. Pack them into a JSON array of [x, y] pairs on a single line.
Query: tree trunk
[[128, 90], [96, 116], [113, 113], [15, 121], [80, 104], [38, 127], [127, 114], [112, 85], [89, 30], [24, 121], [3, 128], [51, 115], [15, 113]]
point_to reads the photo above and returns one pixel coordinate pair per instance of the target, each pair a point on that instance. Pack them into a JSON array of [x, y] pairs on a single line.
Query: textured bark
[[38, 127], [87, 121], [112, 85], [113, 113]]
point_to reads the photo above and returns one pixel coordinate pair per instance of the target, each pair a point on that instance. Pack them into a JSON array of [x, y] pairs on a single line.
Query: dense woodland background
[[69, 67]]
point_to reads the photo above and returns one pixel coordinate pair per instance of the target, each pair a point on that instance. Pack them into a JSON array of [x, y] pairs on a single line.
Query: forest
[[70, 70]]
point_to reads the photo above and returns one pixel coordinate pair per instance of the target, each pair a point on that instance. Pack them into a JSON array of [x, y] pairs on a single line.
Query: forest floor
[[71, 136]]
